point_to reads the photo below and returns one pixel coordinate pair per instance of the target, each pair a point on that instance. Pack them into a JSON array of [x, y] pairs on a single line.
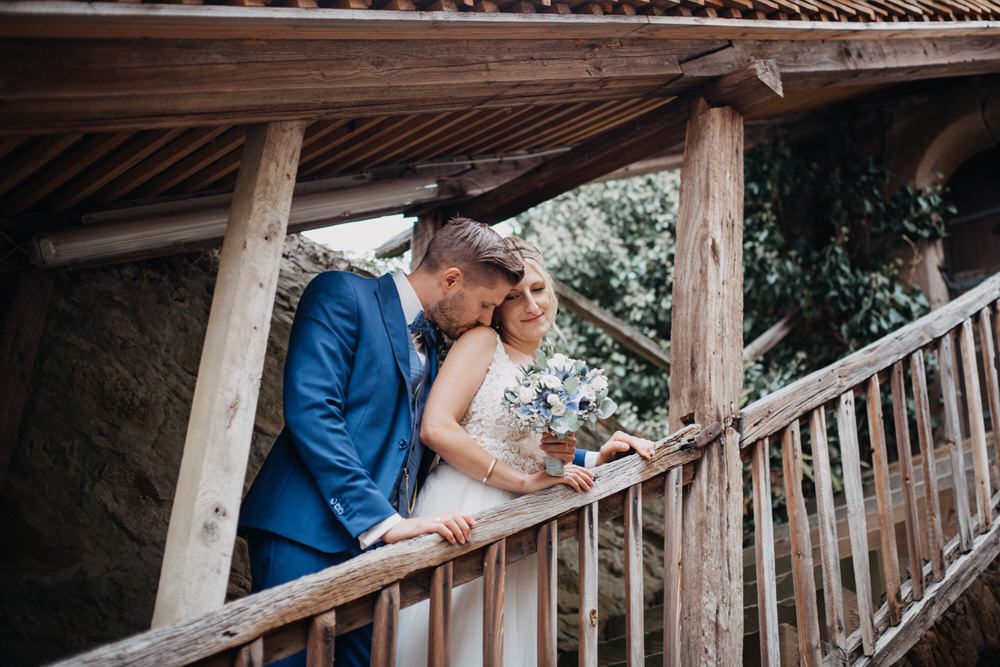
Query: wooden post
[[202, 530], [706, 380], [22, 330], [424, 228]]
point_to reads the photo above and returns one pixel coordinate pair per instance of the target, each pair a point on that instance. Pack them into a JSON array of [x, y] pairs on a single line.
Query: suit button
[[402, 443]]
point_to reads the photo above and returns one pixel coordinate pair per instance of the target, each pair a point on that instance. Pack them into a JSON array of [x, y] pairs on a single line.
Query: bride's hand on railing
[[620, 443], [575, 477], [452, 526]]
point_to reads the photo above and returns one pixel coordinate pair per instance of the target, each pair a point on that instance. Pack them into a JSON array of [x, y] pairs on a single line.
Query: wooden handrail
[[241, 622], [909, 596], [775, 411]]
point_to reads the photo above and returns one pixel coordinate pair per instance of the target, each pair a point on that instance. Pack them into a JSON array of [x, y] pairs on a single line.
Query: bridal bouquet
[[560, 395]]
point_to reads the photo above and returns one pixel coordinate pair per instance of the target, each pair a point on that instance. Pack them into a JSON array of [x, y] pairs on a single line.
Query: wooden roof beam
[[746, 89]]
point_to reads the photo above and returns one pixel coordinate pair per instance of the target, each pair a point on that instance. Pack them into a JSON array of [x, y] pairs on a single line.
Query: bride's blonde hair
[[529, 254]]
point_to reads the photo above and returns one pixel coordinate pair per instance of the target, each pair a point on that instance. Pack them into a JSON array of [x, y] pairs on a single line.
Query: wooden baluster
[[847, 430], [909, 492], [767, 599], [806, 611], [587, 626], [988, 346], [251, 654], [321, 640], [977, 427], [439, 630], [934, 534], [634, 631], [832, 595], [883, 496], [384, 627], [494, 571], [673, 512], [548, 588], [953, 433]]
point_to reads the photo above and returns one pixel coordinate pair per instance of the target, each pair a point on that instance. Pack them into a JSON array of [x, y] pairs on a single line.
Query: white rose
[[599, 383], [588, 392], [551, 382], [557, 405], [558, 361], [526, 394]]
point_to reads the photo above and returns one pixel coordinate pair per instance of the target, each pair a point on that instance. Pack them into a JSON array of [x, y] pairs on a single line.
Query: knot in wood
[[593, 617]]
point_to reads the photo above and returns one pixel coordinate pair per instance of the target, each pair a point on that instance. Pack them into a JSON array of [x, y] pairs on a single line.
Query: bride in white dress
[[498, 462]]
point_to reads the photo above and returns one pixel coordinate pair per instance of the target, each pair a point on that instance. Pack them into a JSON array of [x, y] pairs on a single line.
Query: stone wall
[[87, 499]]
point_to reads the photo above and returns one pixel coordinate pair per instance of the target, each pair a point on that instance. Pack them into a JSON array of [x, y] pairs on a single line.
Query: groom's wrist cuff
[[375, 533], [590, 459]]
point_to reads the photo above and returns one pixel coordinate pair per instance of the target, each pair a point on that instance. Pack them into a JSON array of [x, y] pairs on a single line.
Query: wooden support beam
[[424, 229], [706, 380], [641, 137], [206, 503], [22, 330]]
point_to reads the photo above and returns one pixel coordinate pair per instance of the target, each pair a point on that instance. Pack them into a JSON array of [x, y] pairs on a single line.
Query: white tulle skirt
[[448, 489]]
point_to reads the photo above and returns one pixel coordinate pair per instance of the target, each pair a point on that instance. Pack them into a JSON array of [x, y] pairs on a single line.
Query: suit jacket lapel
[[395, 326]]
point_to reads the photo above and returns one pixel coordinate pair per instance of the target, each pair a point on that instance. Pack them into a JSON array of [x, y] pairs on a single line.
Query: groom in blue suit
[[344, 473]]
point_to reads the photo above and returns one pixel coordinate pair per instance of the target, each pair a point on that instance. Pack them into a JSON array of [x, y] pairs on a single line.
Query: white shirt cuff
[[590, 459], [375, 533]]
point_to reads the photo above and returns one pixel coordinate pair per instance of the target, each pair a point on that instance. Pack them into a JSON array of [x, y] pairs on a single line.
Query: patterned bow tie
[[429, 332]]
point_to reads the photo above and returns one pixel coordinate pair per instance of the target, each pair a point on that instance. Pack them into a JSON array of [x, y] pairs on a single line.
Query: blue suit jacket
[[349, 417]]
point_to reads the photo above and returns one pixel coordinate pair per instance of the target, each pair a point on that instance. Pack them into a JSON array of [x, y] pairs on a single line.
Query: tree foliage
[[818, 239]]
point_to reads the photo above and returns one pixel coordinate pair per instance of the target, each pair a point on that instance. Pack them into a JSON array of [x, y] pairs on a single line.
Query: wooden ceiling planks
[[211, 151]]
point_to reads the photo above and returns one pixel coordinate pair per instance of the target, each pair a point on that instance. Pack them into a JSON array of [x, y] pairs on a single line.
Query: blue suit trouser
[[275, 560]]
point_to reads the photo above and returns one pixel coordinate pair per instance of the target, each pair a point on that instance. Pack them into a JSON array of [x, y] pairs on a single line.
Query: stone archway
[[927, 143]]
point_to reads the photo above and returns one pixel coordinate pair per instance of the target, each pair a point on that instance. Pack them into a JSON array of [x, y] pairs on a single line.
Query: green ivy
[[819, 239]]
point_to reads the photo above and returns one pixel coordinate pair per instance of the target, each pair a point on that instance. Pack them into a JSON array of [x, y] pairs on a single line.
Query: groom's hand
[[560, 448], [620, 443], [452, 526]]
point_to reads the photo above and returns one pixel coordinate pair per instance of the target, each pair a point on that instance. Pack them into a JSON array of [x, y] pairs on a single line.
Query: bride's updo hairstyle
[[529, 255]]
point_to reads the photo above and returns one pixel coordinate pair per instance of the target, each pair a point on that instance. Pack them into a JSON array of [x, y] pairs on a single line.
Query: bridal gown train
[[448, 489]]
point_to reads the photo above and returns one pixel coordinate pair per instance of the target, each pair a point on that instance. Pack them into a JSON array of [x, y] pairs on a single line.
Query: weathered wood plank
[[905, 454], [767, 600], [883, 496], [773, 412], [21, 333], [657, 130], [385, 627], [424, 229], [806, 609], [439, 633], [548, 590], [202, 528], [933, 533], [953, 435], [251, 655], [587, 622], [920, 616], [832, 594], [623, 332], [988, 348], [321, 640], [673, 570], [977, 427], [847, 431], [763, 343], [494, 573], [44, 19], [706, 379], [635, 655], [240, 621]]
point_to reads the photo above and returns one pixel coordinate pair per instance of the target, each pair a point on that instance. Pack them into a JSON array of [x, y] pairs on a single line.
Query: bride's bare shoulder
[[477, 339]]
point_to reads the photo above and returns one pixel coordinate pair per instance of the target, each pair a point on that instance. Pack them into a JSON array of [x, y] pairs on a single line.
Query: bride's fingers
[[444, 531]]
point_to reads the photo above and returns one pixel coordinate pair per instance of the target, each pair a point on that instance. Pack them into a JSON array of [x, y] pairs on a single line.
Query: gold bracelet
[[489, 471]]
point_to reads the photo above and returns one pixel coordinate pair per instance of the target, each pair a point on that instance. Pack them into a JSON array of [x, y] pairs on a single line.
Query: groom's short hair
[[476, 249]]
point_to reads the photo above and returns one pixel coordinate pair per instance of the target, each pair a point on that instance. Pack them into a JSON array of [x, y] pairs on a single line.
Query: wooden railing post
[[202, 529], [706, 380]]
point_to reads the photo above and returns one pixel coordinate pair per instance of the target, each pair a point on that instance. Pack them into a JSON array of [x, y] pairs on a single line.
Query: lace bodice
[[488, 423]]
